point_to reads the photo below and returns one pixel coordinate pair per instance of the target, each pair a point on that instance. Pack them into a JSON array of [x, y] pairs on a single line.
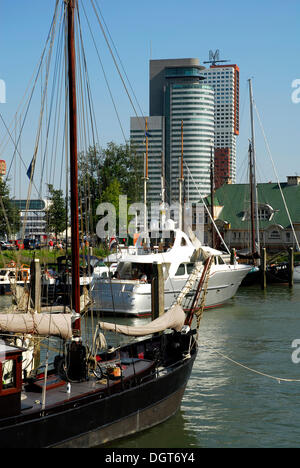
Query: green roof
[[235, 200]]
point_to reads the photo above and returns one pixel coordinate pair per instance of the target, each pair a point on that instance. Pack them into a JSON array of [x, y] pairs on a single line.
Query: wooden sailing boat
[[276, 272], [91, 397], [253, 253]]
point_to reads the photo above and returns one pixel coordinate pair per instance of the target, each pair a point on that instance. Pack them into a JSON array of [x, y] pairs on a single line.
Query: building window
[[274, 235], [264, 214]]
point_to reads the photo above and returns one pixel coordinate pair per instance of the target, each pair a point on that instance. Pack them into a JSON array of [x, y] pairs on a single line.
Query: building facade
[[33, 217], [278, 227], [156, 150], [225, 81], [181, 121], [2, 167], [222, 167]]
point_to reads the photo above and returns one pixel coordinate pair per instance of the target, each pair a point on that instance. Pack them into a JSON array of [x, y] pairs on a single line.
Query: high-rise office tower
[[181, 117], [154, 127], [225, 81]]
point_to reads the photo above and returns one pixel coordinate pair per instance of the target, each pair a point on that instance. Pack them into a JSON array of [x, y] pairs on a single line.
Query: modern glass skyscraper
[[225, 81], [205, 104], [181, 111], [189, 119], [178, 94]]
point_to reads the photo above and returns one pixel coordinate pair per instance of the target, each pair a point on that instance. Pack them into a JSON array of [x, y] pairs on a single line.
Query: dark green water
[[226, 405]]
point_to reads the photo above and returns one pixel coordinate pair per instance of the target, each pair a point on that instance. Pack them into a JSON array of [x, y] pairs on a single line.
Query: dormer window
[[265, 213]]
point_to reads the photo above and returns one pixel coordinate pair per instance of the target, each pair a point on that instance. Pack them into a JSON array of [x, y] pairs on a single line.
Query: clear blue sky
[[261, 37]]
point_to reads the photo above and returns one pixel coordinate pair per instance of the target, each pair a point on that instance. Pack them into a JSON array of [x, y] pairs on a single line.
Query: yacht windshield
[[134, 271]]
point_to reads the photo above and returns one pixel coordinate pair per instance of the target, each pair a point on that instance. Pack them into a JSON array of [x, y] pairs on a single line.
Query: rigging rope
[[276, 175], [113, 57], [208, 211]]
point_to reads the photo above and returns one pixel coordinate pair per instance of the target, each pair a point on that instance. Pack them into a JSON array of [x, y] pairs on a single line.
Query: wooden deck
[[56, 394]]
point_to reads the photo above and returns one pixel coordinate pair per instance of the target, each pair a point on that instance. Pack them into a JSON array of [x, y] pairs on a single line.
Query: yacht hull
[[296, 276], [133, 298]]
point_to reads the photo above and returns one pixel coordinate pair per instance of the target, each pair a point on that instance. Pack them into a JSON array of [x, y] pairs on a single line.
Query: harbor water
[[240, 404], [235, 397]]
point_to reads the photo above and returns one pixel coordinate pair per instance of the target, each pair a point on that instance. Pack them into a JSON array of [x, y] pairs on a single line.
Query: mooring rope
[[279, 379]]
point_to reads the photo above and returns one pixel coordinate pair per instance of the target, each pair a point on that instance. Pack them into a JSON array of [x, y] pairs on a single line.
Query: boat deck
[[133, 372]]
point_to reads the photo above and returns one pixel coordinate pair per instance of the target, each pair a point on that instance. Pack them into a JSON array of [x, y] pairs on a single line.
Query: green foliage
[[9, 213], [56, 213], [111, 193], [104, 174]]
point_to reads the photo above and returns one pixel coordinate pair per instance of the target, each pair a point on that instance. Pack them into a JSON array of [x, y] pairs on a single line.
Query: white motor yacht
[[128, 292], [13, 275], [296, 276]]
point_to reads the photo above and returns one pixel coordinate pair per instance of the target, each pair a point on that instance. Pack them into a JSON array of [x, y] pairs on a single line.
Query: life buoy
[[12, 264]]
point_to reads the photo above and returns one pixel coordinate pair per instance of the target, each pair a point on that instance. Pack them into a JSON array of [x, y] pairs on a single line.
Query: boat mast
[[181, 179], [163, 192], [146, 180], [71, 5], [212, 191], [253, 244], [254, 185]]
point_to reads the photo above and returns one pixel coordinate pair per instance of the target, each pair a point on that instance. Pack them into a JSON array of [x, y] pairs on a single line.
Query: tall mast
[[252, 215], [212, 192], [146, 180], [254, 186], [181, 179], [71, 5], [163, 192]]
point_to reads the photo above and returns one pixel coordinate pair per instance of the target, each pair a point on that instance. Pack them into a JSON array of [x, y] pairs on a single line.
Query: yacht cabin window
[[8, 374], [190, 267], [181, 270], [134, 271]]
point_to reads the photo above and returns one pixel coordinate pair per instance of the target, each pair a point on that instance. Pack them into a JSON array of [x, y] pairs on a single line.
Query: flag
[[112, 243], [30, 169], [147, 134]]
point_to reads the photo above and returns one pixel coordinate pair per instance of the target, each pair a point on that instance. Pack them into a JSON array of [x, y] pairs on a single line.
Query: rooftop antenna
[[214, 57]]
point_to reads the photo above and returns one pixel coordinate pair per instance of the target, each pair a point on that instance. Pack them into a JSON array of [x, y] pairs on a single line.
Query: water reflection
[[172, 434]]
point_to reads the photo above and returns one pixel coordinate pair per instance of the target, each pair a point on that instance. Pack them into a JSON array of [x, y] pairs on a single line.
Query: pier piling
[[157, 291], [263, 269], [291, 267]]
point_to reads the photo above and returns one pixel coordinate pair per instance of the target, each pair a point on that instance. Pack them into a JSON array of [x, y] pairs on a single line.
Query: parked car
[[32, 244], [19, 244], [4, 245]]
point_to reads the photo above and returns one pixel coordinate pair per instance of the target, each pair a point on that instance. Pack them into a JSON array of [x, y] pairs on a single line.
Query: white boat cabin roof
[[7, 349]]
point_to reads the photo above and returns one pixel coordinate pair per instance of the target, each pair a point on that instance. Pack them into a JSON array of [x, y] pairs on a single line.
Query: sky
[[261, 37]]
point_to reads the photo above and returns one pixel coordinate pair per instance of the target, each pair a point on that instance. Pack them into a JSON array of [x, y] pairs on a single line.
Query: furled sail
[[174, 318], [59, 325]]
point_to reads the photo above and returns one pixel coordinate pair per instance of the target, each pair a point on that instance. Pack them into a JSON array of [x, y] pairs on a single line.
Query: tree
[[98, 169], [122, 163], [56, 212], [9, 213]]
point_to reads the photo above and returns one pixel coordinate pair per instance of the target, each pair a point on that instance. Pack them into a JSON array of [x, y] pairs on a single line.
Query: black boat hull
[[96, 421]]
